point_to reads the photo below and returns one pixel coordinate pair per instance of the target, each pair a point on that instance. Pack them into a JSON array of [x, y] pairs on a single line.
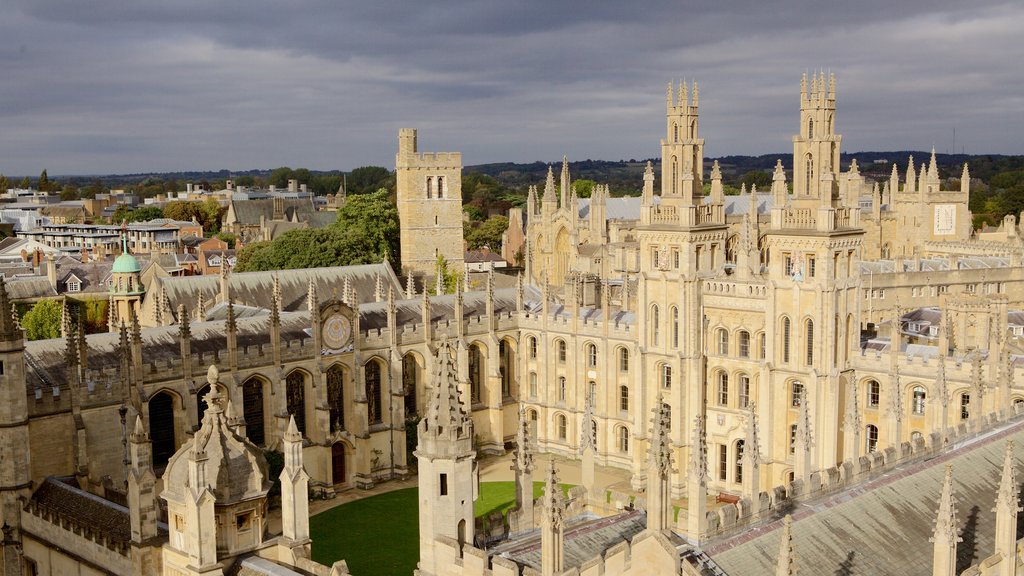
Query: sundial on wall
[[336, 331]]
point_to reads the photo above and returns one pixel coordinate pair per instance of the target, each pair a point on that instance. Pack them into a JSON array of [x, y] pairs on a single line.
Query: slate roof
[[584, 539], [256, 566], [248, 212], [27, 288], [85, 509], [883, 527]]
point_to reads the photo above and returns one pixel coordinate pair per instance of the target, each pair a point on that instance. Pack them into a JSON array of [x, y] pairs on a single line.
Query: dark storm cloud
[[107, 86]]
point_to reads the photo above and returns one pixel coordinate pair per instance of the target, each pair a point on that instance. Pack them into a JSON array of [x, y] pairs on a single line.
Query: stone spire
[[911, 183], [275, 306], [522, 465], [312, 301], [965, 181], [1007, 507], [780, 192], [697, 482], [550, 200], [588, 447], [945, 536], [183, 324], [346, 289], [717, 191], [933, 170], [804, 442], [531, 201], [446, 411], [9, 328], [785, 565], [520, 292], [852, 423], [564, 183], [752, 460], [230, 325], [942, 390], [648, 198], [410, 287], [659, 470], [294, 488], [552, 525], [200, 308], [438, 281], [142, 505], [378, 289]]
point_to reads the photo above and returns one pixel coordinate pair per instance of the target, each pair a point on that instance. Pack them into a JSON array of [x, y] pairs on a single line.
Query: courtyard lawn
[[380, 534]]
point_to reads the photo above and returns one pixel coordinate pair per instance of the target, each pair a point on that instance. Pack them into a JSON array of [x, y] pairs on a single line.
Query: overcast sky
[[116, 86]]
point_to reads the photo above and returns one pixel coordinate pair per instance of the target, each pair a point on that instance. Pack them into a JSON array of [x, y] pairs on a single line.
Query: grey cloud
[[111, 86]]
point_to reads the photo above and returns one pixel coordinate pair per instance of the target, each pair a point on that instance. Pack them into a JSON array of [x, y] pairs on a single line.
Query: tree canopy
[[369, 179], [207, 212], [125, 213], [487, 233], [43, 320], [366, 232]]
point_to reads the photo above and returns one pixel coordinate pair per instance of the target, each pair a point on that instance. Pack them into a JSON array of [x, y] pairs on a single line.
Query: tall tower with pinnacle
[[682, 149], [429, 190], [816, 147], [447, 469], [14, 453]]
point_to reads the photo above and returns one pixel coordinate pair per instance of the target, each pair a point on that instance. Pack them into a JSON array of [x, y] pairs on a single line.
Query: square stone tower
[[429, 186]]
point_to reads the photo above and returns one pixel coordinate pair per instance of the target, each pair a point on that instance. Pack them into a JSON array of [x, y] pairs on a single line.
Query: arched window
[[965, 406], [161, 428], [531, 343], [476, 373], [624, 398], [917, 400], [723, 341], [561, 388], [744, 343], [561, 424], [336, 397], [675, 174], [295, 397], [785, 339], [738, 452], [792, 439], [440, 186], [674, 312], [592, 392], [623, 360], [723, 389], [744, 390], [874, 393], [409, 374], [591, 356], [809, 167], [430, 187], [666, 376], [373, 397], [252, 410], [810, 128], [809, 339], [560, 344], [871, 437], [655, 328], [761, 344], [796, 394], [506, 367], [675, 132], [622, 435], [533, 384]]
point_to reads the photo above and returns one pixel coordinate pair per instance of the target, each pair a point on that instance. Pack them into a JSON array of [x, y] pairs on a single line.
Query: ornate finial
[[785, 563], [698, 467], [1009, 491], [588, 440], [945, 522], [522, 456], [410, 287], [312, 301], [212, 375], [660, 452], [553, 501], [752, 444]]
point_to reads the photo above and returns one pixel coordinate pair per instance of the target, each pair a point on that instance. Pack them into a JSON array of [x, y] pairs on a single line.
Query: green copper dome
[[126, 262]]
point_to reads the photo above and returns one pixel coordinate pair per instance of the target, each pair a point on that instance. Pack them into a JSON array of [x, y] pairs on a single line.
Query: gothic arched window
[[373, 392]]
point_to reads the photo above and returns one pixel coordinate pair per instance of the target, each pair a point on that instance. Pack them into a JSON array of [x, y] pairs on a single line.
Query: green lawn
[[380, 535]]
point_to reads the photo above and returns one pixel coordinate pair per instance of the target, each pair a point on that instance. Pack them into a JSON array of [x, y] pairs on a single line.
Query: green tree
[[279, 177], [43, 185], [25, 183], [450, 277], [762, 179], [366, 232], [369, 179], [93, 189], [69, 192], [228, 237], [4, 183], [125, 213], [583, 188], [487, 233], [43, 320]]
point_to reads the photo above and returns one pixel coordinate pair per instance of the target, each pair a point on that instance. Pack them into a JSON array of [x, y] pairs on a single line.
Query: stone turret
[[659, 470], [785, 567], [1007, 507], [522, 465], [294, 490], [447, 469], [697, 482], [946, 535], [216, 489], [552, 525]]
